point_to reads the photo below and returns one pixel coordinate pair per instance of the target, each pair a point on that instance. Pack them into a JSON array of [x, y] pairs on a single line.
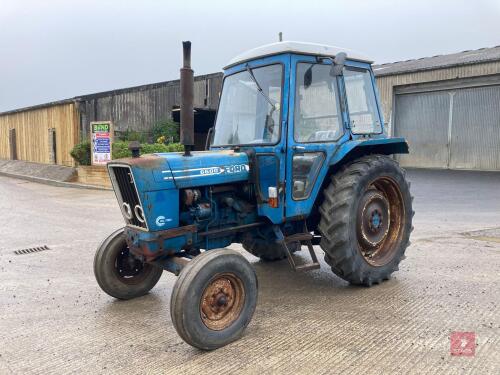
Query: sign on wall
[[101, 134]]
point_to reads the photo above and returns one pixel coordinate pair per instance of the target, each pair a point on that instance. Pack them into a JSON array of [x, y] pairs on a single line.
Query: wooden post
[[12, 144]]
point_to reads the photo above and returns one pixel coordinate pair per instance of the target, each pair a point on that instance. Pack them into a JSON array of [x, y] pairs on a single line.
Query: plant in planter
[[82, 153]]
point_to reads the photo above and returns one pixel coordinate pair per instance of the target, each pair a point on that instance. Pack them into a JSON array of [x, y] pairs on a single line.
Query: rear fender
[[351, 150], [356, 148]]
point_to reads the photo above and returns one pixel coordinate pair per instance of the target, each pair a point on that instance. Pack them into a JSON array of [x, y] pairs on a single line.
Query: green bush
[[132, 135], [81, 153], [159, 147], [167, 130], [120, 149]]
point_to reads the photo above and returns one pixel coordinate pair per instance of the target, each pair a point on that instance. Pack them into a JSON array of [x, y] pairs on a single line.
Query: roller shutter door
[[458, 129]]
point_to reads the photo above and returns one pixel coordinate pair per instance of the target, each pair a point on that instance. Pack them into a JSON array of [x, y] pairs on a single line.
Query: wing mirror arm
[[338, 63]]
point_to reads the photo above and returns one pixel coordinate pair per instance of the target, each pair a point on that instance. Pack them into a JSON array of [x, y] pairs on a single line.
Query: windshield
[[246, 114]]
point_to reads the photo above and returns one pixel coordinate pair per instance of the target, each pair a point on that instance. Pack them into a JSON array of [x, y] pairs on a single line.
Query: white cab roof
[[295, 47]]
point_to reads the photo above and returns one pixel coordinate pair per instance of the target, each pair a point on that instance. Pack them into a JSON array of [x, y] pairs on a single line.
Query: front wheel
[[119, 273], [214, 299], [366, 220]]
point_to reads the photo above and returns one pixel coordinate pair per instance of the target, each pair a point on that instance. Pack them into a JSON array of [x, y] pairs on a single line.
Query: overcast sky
[[53, 49]]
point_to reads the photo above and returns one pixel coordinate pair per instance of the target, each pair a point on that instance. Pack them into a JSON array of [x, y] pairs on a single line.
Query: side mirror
[[338, 64]]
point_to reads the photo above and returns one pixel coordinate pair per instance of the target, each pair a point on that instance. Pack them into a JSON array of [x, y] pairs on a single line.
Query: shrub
[[81, 153], [132, 135], [159, 147], [166, 131], [120, 149]]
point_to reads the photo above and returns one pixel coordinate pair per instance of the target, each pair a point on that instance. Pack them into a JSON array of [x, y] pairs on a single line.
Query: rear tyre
[[366, 220], [214, 299], [120, 274], [263, 245]]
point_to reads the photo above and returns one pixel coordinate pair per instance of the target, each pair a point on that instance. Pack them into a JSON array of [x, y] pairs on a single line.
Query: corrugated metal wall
[[386, 84], [138, 109], [33, 131], [475, 132], [419, 118]]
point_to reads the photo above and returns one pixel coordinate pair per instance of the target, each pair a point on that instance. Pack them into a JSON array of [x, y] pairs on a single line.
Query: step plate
[[314, 265]]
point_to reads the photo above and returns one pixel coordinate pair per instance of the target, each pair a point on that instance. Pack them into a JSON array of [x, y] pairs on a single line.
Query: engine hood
[[203, 168]]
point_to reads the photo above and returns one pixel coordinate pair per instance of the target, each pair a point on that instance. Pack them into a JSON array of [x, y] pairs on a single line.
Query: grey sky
[[51, 50]]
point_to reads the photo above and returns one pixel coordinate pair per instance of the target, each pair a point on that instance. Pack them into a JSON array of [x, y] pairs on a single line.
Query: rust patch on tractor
[[143, 249], [146, 161]]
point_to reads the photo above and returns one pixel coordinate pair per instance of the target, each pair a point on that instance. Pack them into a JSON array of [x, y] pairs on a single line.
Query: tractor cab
[[291, 106]]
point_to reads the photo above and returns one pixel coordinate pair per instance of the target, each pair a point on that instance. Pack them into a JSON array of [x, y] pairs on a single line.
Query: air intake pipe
[[187, 110]]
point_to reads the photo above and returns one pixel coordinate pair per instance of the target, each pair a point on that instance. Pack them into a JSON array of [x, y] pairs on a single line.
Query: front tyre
[[366, 220], [214, 299], [120, 274]]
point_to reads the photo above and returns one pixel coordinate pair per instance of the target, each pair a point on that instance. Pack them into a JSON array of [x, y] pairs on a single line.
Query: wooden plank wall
[[32, 133]]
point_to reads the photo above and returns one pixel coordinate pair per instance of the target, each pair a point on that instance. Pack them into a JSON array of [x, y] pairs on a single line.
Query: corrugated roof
[[477, 56]]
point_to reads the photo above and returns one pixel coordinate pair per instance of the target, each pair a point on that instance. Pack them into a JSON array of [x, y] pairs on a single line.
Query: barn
[[46, 133], [447, 107]]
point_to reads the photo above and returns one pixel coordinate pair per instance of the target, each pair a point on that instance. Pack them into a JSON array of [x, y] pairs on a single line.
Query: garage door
[[458, 129]]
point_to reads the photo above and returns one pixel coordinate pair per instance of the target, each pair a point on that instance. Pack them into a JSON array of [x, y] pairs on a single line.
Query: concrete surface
[[37, 170], [54, 318]]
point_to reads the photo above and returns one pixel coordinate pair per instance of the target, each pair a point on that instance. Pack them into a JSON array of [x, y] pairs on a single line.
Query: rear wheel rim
[[222, 301], [380, 219]]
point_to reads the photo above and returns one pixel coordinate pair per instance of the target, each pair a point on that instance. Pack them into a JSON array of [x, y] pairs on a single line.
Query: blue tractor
[[298, 157]]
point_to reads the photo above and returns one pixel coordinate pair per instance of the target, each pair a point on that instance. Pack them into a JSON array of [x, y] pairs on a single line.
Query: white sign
[[101, 133]]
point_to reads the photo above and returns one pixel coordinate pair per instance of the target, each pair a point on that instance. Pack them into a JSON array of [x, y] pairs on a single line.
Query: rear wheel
[[120, 274], [366, 220], [214, 299]]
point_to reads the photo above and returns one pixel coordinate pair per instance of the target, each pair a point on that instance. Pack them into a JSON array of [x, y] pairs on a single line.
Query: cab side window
[[363, 112], [317, 117]]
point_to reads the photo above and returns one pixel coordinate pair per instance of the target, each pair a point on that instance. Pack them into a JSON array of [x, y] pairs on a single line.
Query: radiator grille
[[126, 192]]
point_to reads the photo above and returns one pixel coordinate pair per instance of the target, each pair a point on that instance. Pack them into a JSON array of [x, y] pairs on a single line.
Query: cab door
[[257, 119], [316, 127]]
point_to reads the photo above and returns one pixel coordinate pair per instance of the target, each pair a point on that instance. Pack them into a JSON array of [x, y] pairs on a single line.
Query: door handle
[[298, 148]]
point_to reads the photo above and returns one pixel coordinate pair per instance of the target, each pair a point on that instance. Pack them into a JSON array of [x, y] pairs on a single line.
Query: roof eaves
[[427, 68]]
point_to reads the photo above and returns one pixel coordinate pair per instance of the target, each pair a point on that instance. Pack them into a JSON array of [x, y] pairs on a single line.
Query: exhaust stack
[[187, 110]]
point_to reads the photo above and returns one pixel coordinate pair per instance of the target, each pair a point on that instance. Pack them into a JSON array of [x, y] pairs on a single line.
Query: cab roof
[[295, 47]]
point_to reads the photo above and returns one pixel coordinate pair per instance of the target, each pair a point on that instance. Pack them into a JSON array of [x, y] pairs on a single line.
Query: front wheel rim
[[380, 221], [222, 301], [129, 269]]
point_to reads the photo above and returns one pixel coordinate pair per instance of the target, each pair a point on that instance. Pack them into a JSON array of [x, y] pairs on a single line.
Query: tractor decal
[[209, 171]]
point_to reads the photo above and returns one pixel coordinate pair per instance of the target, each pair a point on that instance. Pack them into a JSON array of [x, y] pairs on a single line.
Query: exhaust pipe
[[187, 110]]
